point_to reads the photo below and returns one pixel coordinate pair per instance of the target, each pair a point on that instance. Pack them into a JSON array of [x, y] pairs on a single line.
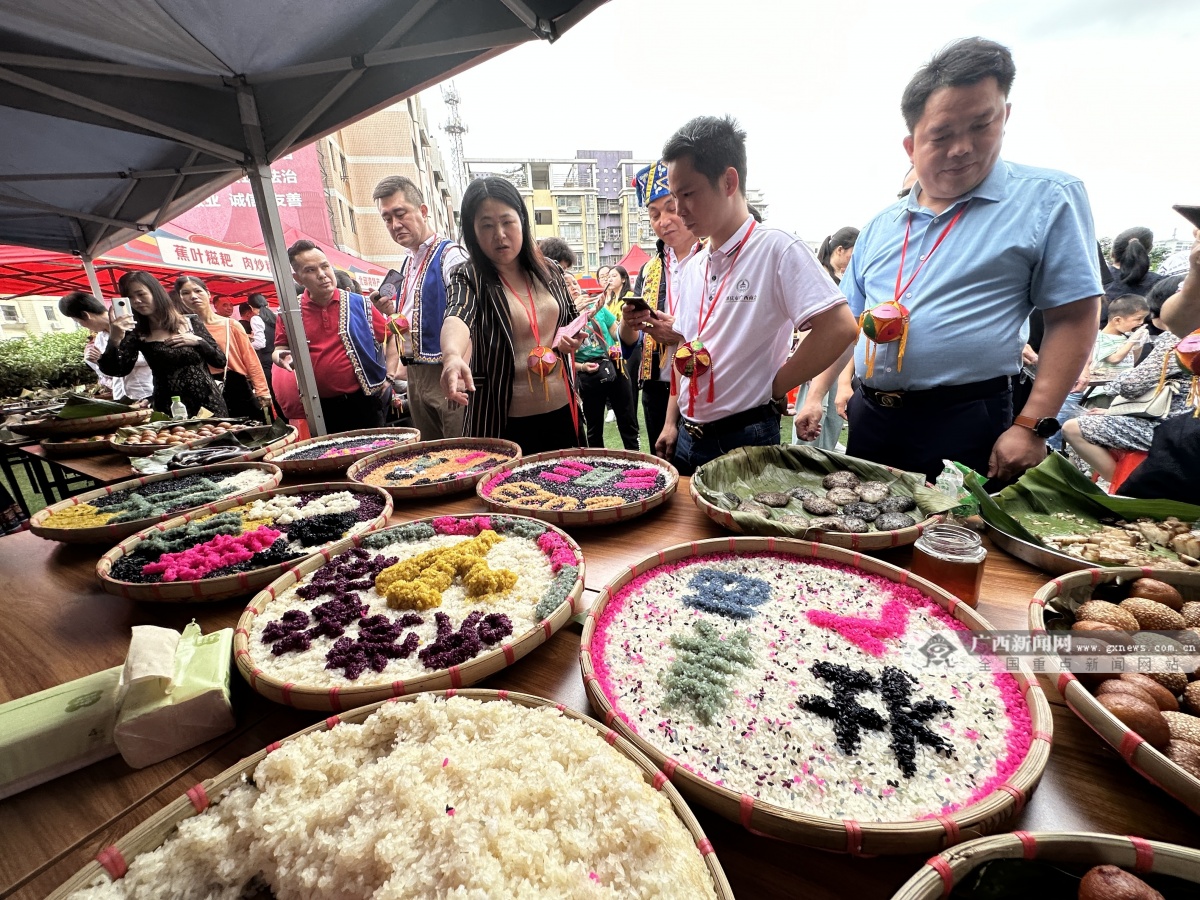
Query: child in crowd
[[1112, 353], [1118, 343]]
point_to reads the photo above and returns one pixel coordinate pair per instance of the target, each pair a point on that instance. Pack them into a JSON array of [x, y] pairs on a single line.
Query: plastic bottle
[[178, 410]]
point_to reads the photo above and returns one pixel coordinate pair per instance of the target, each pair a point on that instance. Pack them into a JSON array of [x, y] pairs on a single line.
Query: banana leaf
[[747, 471], [1056, 498], [79, 407]]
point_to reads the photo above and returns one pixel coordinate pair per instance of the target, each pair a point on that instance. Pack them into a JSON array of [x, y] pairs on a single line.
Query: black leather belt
[[938, 396], [735, 422]]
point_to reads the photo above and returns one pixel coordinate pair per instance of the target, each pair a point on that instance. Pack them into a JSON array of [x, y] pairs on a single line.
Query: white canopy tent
[[117, 116]]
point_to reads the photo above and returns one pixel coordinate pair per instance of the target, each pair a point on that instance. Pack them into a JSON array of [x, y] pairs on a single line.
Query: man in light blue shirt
[[976, 246]]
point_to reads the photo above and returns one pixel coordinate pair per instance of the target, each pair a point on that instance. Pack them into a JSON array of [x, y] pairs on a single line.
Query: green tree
[[52, 360]]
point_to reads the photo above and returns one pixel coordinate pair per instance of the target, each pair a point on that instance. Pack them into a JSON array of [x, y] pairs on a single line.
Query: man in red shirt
[[344, 333]]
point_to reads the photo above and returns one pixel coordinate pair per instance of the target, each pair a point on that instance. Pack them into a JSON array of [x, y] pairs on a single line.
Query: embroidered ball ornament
[[692, 360], [542, 361], [1187, 354], [884, 324], [400, 323]]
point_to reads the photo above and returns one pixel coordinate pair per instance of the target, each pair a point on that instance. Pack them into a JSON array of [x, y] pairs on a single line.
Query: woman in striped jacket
[[503, 311]]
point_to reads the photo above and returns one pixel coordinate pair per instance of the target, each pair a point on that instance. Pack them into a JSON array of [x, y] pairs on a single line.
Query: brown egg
[[1162, 697], [1142, 718], [1112, 883], [1117, 686], [1160, 591]]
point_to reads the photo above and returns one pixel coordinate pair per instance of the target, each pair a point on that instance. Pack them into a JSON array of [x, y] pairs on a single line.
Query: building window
[[602, 205], [570, 231], [50, 313], [345, 168], [569, 204], [543, 216], [10, 313]]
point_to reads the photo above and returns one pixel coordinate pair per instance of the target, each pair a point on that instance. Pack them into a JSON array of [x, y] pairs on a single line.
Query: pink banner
[[229, 216]]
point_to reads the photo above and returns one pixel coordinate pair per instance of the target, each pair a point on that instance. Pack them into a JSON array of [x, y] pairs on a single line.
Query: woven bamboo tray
[[226, 586], [857, 838], [116, 532], [338, 698], [937, 878], [871, 540], [602, 516], [292, 467], [150, 834], [1151, 764], [75, 448], [194, 443], [89, 425], [288, 438], [445, 486]]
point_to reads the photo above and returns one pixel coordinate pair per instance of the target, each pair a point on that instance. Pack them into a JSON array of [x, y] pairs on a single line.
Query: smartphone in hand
[[637, 302], [121, 307]]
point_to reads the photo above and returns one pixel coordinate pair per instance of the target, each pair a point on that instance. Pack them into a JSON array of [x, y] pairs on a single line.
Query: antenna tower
[[456, 128]]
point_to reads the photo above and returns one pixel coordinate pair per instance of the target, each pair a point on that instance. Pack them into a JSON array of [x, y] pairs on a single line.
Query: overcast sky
[[1108, 90]]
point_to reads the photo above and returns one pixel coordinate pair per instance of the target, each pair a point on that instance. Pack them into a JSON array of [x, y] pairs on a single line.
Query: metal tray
[[1036, 555]]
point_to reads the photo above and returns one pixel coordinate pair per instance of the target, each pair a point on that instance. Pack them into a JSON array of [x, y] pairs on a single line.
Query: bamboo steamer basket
[[336, 699], [150, 835], [1151, 764], [88, 425], [992, 813], [225, 586], [443, 487], [937, 878], [600, 516], [293, 467], [119, 531]]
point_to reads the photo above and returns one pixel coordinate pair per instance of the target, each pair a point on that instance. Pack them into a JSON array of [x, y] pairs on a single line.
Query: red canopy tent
[[230, 270], [634, 260]]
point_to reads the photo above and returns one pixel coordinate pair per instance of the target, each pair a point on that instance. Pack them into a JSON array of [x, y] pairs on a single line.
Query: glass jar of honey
[[951, 557]]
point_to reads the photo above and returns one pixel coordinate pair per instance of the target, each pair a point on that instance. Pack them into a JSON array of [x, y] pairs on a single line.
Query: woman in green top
[[601, 382]]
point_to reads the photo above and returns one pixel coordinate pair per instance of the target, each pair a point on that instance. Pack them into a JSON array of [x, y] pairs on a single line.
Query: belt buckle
[[889, 399], [694, 429]]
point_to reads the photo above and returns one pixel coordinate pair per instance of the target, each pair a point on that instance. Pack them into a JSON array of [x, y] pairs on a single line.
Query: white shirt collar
[[734, 239]]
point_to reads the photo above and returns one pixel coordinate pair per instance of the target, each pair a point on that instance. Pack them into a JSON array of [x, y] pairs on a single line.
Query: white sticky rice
[[433, 798]]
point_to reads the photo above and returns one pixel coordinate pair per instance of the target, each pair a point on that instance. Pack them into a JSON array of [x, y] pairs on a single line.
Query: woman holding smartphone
[[243, 384], [178, 348], [503, 311]]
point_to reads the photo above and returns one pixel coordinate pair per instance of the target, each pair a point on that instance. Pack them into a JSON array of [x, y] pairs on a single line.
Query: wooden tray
[[225, 586], [348, 697], [116, 532], [437, 488], [151, 833], [993, 813], [89, 425], [938, 877], [602, 516], [335, 463], [1151, 764], [75, 448]]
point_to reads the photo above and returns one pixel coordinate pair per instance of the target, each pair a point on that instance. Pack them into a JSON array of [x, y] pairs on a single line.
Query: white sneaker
[[610, 416]]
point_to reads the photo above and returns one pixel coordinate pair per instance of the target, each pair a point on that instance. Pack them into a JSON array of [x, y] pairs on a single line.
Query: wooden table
[[58, 625], [102, 468]]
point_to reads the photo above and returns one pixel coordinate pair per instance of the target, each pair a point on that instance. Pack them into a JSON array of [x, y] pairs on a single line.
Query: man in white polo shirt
[[740, 298]]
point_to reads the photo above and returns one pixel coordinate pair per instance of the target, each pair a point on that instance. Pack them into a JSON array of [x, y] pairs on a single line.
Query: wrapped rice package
[[57, 731], [176, 692]]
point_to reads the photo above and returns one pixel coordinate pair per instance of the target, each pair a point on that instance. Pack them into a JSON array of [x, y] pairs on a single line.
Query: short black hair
[[398, 184], [301, 246], [344, 281], [77, 304], [1127, 305], [1162, 291], [713, 145], [966, 62], [557, 249]]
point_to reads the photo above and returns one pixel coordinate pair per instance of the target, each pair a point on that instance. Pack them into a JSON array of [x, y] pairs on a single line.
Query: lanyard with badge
[[398, 322], [888, 322], [693, 359]]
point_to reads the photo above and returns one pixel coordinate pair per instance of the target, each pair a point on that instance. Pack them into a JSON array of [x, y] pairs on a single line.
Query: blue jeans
[[691, 454], [1071, 409]]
